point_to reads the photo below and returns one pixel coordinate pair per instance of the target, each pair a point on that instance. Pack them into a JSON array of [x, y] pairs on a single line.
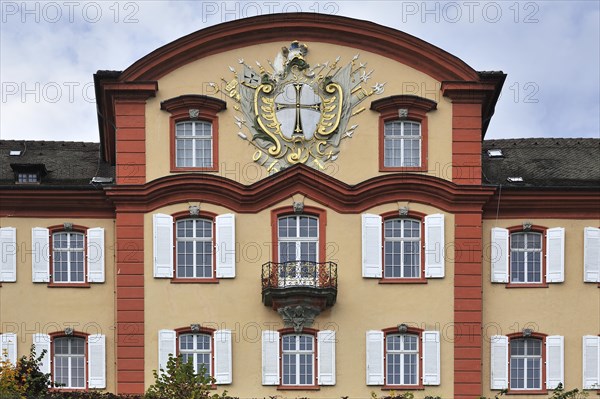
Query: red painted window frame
[[178, 216], [404, 280], [534, 335], [76, 334], [410, 331], [277, 213], [319, 213], [61, 229], [534, 229], [418, 109], [305, 331], [179, 108], [203, 330]]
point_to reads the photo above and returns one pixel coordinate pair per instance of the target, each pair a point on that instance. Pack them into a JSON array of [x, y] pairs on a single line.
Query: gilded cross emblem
[[303, 105]]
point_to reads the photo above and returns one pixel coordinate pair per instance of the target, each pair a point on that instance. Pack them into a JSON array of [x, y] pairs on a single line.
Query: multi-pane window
[[298, 359], [526, 258], [68, 257], [69, 362], [27, 178], [402, 144], [194, 248], [298, 249], [196, 348], [298, 238], [193, 144], [402, 248], [526, 364], [402, 359]]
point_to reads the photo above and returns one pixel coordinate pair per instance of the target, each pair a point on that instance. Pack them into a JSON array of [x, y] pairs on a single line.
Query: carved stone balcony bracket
[[298, 316]]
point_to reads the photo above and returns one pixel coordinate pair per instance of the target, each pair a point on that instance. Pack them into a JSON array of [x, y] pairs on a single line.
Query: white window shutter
[[591, 255], [97, 361], [434, 246], [371, 246], [499, 255], [40, 261], [555, 255], [8, 346], [375, 357], [8, 254], [270, 357], [555, 361], [163, 245], [223, 364], [42, 343], [167, 345], [431, 358], [326, 357], [225, 245], [499, 362], [591, 362], [95, 255]]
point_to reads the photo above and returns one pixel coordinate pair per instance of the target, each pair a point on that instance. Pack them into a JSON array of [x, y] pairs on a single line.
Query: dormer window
[[26, 178], [28, 173]]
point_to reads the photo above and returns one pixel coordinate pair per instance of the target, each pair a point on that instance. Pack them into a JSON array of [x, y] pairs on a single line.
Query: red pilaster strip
[[467, 306], [466, 143], [130, 302], [131, 140]]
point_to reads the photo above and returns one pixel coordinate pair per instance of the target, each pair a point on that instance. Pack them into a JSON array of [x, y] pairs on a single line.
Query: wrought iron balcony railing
[[299, 274]]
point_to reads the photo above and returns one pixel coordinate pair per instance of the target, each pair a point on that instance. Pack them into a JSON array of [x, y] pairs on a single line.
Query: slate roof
[[543, 162], [68, 163], [540, 162]]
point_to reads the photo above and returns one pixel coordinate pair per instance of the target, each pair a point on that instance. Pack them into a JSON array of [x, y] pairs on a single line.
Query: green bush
[[180, 381]]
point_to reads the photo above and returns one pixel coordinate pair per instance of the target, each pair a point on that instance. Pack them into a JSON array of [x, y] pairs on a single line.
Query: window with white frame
[[526, 364], [402, 256], [526, 257], [194, 248], [298, 238], [402, 359], [68, 254], [28, 178], [205, 348], [196, 348], [193, 144], [408, 358], [69, 362], [290, 359], [402, 144], [297, 360]]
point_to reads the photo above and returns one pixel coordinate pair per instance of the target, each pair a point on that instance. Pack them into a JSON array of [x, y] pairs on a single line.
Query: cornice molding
[[326, 190]]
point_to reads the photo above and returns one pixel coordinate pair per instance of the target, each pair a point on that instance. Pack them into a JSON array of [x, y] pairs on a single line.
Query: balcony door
[[298, 246]]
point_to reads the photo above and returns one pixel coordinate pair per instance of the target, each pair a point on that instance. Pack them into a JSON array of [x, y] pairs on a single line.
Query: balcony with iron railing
[[296, 282]]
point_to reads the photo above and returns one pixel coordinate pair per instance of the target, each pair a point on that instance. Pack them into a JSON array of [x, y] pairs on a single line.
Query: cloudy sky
[[549, 49]]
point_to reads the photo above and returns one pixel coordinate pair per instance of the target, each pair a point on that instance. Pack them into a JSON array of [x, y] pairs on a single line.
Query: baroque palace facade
[[305, 206]]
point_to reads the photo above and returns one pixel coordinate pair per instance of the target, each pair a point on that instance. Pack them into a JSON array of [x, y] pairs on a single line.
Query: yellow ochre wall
[[27, 308], [570, 309], [358, 159], [362, 304]]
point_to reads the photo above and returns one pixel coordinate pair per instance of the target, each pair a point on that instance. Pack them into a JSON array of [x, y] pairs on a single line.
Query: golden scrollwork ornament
[[296, 113]]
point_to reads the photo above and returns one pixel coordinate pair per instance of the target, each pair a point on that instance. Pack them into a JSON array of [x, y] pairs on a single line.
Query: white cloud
[[550, 51]]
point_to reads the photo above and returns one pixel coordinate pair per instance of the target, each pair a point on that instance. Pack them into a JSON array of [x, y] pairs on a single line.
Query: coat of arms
[[296, 113]]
